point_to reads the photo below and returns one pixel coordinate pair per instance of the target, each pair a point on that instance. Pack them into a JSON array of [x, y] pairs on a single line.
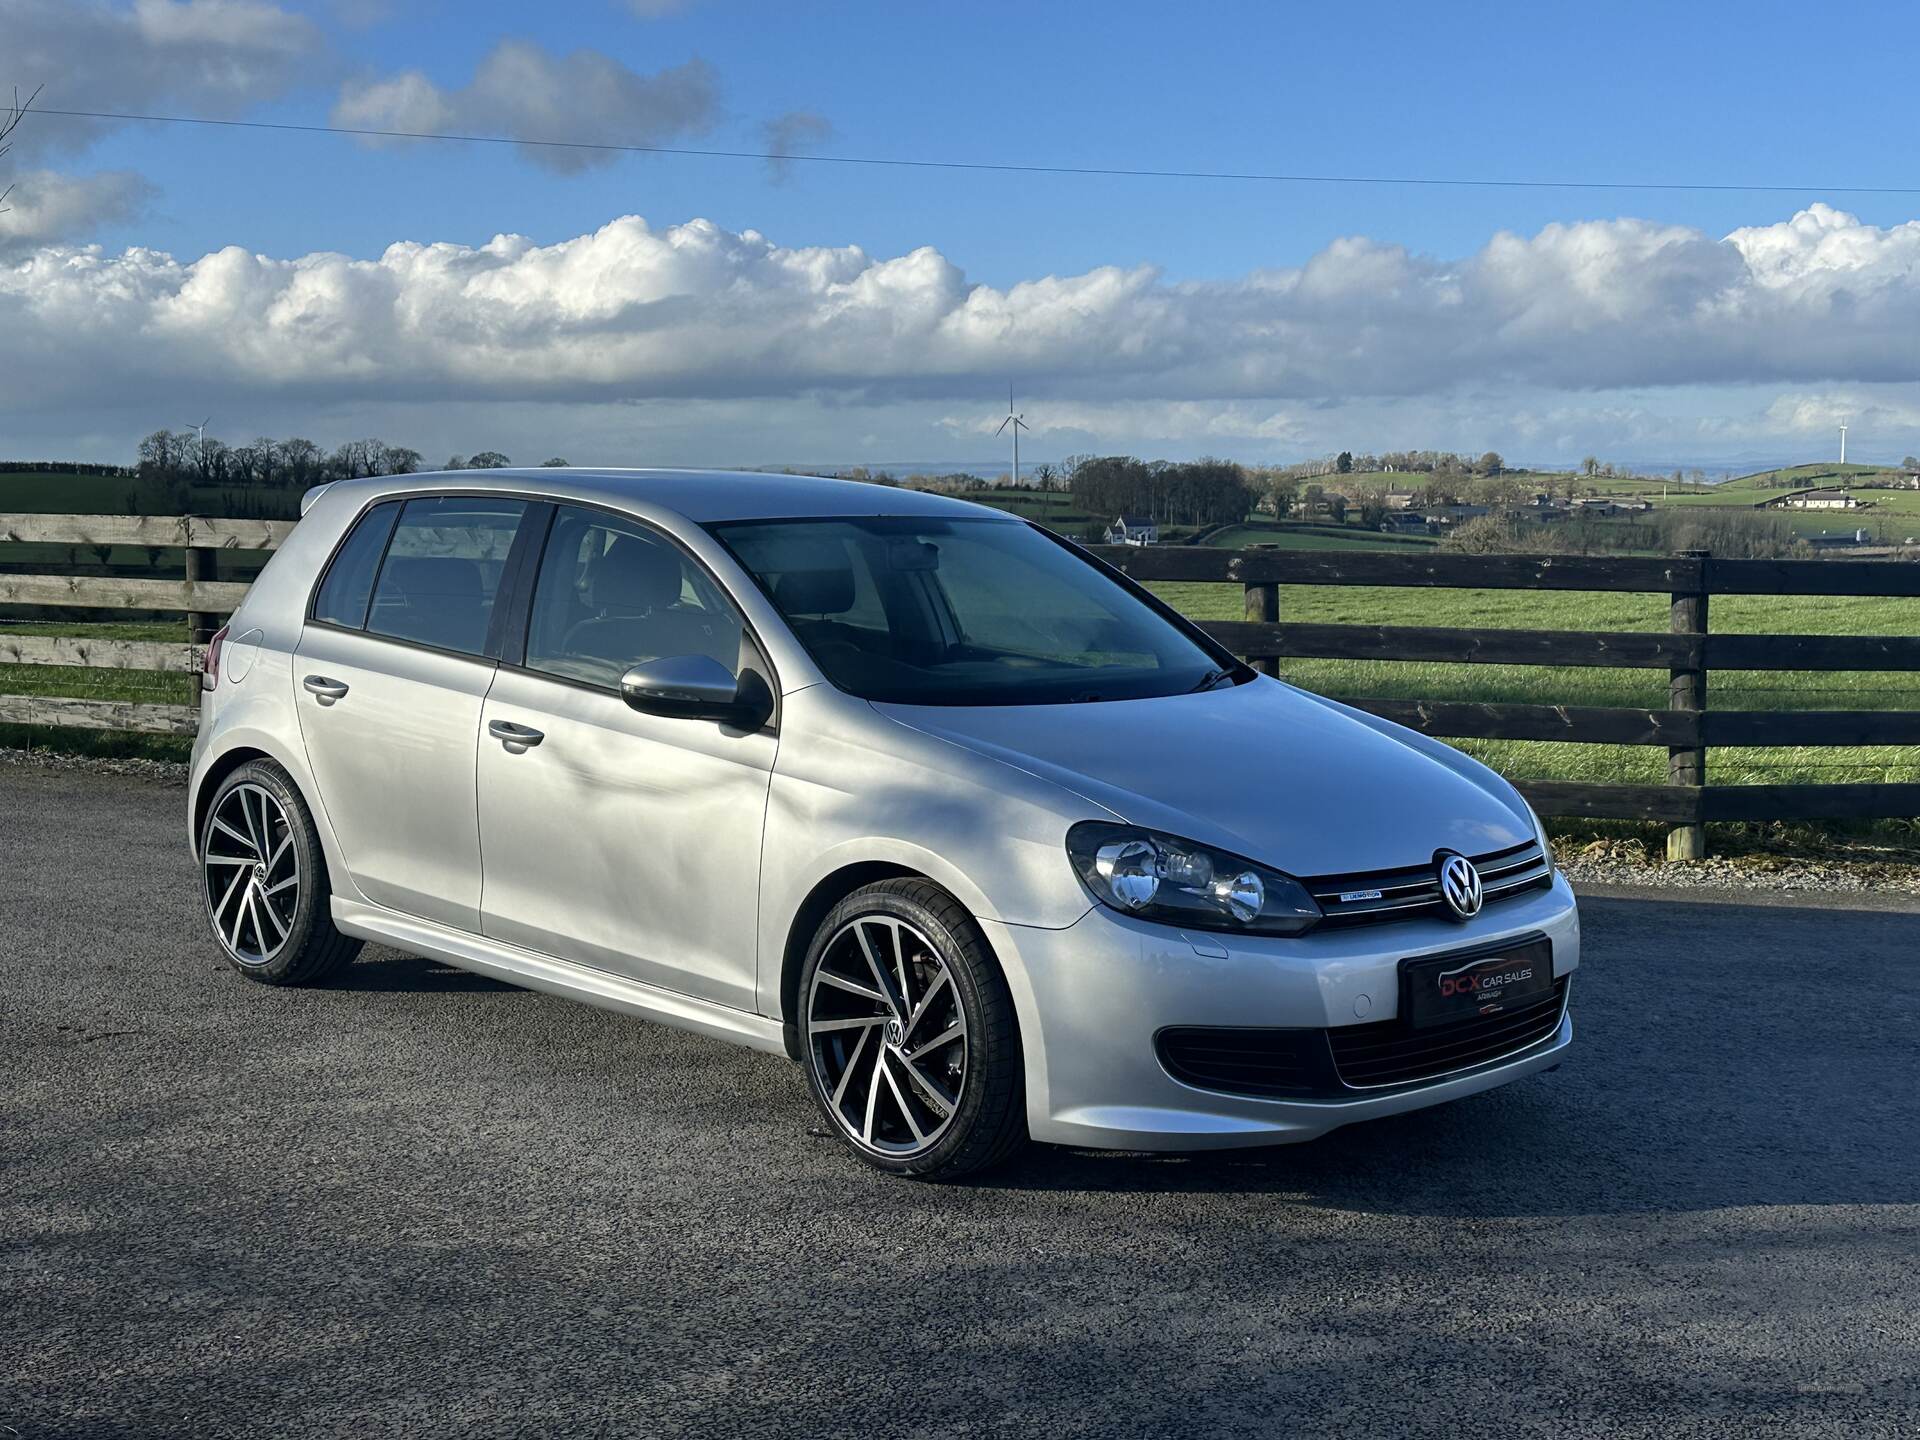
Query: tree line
[[1196, 492], [170, 457]]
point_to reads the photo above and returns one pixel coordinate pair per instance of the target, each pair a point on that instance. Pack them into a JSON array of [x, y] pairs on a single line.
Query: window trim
[[486, 654], [521, 615], [520, 623], [333, 558], [1236, 668]]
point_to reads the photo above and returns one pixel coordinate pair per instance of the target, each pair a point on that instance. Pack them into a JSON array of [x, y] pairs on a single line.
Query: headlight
[[1162, 877]]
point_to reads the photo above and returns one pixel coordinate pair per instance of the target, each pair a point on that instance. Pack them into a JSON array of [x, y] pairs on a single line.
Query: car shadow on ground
[[1707, 1071], [378, 970], [1723, 1055]]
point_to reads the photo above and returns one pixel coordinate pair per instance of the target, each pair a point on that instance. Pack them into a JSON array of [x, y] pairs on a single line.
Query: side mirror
[[696, 687]]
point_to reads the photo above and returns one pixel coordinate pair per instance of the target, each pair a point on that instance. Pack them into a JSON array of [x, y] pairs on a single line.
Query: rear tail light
[[210, 662]]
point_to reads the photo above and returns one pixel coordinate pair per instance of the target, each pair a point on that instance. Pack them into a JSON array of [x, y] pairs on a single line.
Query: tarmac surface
[[417, 1202]]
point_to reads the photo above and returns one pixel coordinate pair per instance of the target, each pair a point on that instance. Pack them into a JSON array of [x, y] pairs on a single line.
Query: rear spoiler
[[306, 500]]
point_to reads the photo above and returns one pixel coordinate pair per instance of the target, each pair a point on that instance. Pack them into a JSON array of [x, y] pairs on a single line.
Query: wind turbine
[[1843, 444], [1013, 419], [202, 428]]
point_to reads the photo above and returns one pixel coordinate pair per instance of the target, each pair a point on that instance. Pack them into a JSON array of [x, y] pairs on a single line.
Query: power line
[[1000, 167]]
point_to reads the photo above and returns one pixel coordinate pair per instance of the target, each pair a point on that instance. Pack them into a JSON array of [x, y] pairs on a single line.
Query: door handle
[[515, 737], [323, 687]]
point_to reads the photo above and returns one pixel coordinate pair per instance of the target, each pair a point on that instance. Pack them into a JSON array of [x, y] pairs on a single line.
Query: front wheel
[[912, 1049], [264, 882]]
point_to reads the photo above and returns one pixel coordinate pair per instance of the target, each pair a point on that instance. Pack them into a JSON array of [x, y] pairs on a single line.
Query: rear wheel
[[264, 884], [912, 1050]]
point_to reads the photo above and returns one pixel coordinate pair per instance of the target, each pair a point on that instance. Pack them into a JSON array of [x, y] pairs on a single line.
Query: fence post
[[1687, 690], [1263, 607], [200, 566]]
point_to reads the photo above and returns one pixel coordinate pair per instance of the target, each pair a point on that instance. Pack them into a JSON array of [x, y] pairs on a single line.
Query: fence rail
[[1687, 728], [1688, 652]]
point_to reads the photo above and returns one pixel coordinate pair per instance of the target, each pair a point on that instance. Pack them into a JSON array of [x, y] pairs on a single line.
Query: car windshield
[[923, 611]]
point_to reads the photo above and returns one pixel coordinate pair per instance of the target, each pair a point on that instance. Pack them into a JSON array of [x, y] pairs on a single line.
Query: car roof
[[701, 496]]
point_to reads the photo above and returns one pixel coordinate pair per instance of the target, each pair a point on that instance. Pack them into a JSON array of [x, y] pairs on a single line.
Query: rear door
[[392, 669], [626, 842]]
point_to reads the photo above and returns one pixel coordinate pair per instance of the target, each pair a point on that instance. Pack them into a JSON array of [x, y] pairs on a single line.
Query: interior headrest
[[635, 575], [814, 592]]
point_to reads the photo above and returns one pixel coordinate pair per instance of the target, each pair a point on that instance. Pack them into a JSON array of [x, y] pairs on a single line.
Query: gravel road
[[421, 1203]]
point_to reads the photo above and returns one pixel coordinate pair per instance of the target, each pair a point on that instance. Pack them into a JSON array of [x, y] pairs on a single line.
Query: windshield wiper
[[1211, 679]]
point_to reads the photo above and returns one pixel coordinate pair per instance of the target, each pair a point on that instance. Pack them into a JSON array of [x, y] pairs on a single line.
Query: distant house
[[1399, 499], [1826, 499], [1598, 506], [1133, 530], [1403, 522]]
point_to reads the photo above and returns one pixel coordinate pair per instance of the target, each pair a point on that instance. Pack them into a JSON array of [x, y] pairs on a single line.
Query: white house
[[1828, 499], [1132, 530]]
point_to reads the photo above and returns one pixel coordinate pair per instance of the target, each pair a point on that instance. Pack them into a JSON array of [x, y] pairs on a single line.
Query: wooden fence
[[1688, 652]]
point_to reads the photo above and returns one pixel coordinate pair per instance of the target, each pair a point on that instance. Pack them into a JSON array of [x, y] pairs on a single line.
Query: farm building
[[1824, 541], [1824, 499], [1133, 530], [1403, 522]]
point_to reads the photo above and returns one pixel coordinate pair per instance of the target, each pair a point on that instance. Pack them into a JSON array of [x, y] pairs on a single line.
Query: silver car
[[987, 838]]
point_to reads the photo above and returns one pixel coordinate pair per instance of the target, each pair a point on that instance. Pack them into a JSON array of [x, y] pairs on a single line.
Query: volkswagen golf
[[988, 839]]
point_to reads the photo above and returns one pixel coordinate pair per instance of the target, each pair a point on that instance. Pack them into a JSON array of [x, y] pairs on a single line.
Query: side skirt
[[557, 977]]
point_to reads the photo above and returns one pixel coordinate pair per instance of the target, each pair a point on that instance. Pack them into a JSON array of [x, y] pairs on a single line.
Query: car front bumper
[[1091, 999]]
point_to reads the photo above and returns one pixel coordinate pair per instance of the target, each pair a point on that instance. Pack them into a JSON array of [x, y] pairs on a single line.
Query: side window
[[343, 594], [612, 593], [443, 569]]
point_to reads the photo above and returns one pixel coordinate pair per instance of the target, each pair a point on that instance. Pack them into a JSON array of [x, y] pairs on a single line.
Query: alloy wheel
[[252, 875], [887, 1036]]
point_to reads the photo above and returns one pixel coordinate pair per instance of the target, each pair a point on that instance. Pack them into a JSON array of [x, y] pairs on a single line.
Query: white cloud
[[1864, 412], [526, 92], [215, 57], [1074, 424], [1504, 346], [46, 207]]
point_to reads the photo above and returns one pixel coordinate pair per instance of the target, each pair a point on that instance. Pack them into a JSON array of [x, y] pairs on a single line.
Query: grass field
[[1493, 609], [1352, 679], [1567, 685]]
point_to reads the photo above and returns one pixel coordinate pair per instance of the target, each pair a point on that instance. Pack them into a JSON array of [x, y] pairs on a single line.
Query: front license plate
[[1442, 988]]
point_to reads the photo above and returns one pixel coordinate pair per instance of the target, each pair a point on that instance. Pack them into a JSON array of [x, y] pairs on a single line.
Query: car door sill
[[558, 977]]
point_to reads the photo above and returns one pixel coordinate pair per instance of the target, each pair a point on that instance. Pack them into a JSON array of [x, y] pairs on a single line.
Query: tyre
[[263, 881], [912, 1051]]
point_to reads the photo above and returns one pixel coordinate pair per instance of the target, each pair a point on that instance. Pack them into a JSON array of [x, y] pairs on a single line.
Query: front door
[[389, 696], [622, 841]]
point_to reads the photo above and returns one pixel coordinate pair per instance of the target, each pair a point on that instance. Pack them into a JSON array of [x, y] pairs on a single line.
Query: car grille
[[1245, 1062], [1326, 1064], [1390, 1053], [1414, 891]]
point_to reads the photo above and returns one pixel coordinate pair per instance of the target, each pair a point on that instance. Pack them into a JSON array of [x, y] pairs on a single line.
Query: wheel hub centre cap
[[896, 1033], [260, 873]]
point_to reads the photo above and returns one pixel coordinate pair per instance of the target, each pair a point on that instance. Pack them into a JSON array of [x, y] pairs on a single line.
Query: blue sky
[[1722, 94], [1657, 93]]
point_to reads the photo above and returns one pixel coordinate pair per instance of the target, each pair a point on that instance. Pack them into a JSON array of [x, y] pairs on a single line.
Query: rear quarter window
[[347, 586]]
